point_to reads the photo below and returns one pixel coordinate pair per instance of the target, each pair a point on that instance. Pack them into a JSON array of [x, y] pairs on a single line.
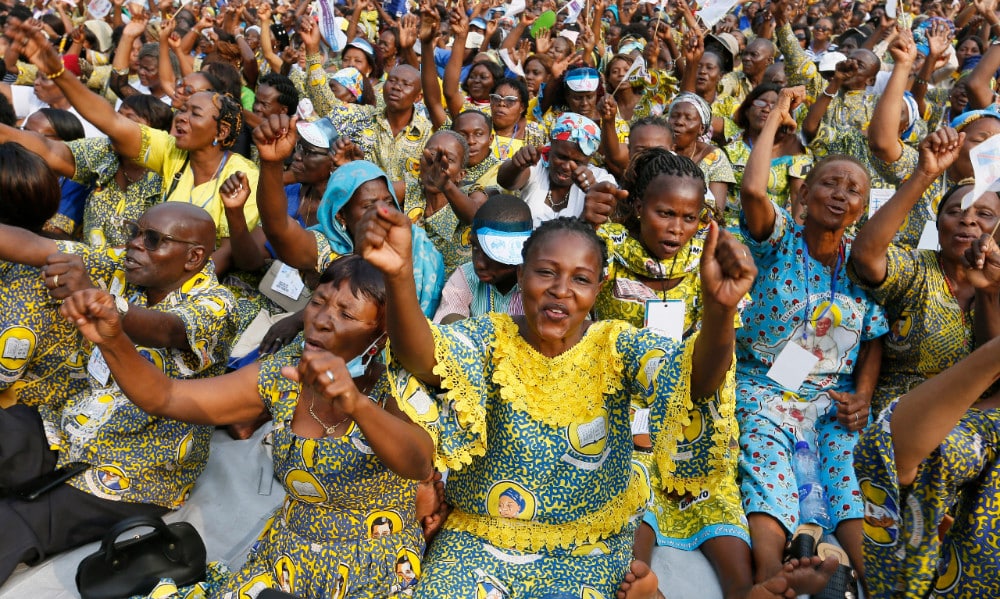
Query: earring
[[215, 142]]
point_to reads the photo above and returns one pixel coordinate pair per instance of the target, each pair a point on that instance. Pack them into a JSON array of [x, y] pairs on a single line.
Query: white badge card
[[288, 282], [98, 368], [666, 317], [877, 198], [792, 366], [929, 237]]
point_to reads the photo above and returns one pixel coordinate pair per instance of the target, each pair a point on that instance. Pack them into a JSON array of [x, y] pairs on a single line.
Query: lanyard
[[504, 153], [212, 192], [833, 285]]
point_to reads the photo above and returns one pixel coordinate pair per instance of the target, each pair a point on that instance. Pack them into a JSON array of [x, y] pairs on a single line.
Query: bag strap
[[176, 179], [108, 544]]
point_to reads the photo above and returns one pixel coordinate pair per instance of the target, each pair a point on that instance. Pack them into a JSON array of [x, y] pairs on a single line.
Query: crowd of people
[[521, 292]]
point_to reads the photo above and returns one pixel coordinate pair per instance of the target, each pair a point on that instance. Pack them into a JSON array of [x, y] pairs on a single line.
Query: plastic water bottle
[[812, 498]]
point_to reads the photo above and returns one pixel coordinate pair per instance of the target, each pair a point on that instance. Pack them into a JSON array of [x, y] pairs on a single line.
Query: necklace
[[212, 190], [504, 152], [557, 206], [329, 430], [130, 180]]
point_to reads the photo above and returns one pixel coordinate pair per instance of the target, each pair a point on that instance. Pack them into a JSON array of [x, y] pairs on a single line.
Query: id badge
[[98, 368], [792, 366], [877, 198], [666, 317]]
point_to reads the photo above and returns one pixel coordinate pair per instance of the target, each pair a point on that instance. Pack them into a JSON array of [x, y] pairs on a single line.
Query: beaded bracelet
[[56, 75], [920, 81]]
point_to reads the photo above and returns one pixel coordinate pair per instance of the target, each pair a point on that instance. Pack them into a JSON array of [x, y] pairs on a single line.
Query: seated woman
[[509, 110], [518, 453], [929, 453], [690, 119], [554, 181], [194, 159], [937, 309], [351, 190], [789, 160], [322, 542], [121, 189], [655, 260], [808, 354]]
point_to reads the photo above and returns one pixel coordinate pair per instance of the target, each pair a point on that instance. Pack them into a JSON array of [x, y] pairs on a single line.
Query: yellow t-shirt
[[160, 154]]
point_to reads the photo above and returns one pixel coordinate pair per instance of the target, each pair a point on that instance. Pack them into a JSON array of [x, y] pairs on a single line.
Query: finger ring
[[55, 281], [856, 418], [330, 376]]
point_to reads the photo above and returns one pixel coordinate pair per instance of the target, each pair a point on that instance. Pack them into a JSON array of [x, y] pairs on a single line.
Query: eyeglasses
[[821, 28], [762, 104], [151, 238], [504, 100], [301, 149], [184, 88]]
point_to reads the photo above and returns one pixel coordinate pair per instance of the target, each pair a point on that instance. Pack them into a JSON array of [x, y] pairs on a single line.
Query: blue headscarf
[[428, 264]]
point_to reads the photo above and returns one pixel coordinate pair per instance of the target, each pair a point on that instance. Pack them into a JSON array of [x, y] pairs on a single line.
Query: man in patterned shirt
[[131, 463]]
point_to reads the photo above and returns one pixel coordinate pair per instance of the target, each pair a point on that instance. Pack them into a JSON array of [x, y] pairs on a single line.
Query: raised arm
[[317, 86], [453, 70], [219, 400], [385, 240], [266, 41], [56, 153], [758, 211], [133, 31], [980, 91], [246, 246], [727, 273], [694, 50], [925, 416], [868, 254], [275, 139], [883, 132], [124, 133], [429, 26]]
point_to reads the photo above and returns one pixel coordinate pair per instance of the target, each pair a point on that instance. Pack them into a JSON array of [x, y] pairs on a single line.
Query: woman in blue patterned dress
[[531, 413], [347, 521], [806, 361]]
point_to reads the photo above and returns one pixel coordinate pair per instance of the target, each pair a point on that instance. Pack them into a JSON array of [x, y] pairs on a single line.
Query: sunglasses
[[821, 29], [762, 104], [151, 238], [801, 37], [301, 149], [504, 100]]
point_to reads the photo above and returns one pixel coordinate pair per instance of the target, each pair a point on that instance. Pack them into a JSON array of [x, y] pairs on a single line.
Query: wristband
[[829, 95]]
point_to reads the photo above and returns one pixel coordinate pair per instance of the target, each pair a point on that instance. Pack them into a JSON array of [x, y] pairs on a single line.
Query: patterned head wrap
[[578, 129], [913, 113], [352, 79], [963, 120], [704, 110]]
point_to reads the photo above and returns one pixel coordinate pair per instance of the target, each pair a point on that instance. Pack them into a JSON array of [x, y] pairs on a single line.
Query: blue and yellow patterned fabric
[[904, 556], [136, 457], [929, 332], [347, 527], [544, 493]]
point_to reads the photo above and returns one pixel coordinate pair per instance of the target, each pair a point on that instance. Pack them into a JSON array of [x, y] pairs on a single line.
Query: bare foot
[[639, 583], [797, 577], [810, 575]]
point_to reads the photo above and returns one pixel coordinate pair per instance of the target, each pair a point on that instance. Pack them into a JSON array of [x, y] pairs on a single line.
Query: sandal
[[804, 541], [844, 582]]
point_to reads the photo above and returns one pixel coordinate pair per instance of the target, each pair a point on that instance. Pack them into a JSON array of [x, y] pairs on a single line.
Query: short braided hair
[[570, 225]]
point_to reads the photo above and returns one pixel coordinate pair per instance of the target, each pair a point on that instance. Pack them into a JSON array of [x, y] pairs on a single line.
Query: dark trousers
[[62, 519]]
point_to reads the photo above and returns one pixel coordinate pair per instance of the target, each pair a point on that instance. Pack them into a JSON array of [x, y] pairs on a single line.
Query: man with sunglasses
[[116, 460]]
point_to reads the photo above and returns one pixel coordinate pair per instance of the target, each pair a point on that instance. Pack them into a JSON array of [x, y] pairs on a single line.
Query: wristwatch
[[121, 304]]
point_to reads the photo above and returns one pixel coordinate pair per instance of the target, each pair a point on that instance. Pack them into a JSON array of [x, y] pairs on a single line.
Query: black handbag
[[134, 566]]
